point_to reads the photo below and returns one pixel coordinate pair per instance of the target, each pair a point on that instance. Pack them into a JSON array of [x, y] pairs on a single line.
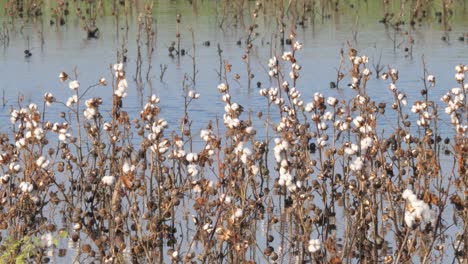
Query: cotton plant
[[122, 84], [416, 210], [456, 102]]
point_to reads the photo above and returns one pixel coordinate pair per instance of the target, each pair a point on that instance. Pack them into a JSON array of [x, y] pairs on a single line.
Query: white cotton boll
[[297, 45], [227, 199], [222, 87], [118, 67], [74, 85], [401, 96], [42, 162], [277, 154], [449, 110], [227, 107], [208, 227], [126, 168], [323, 126], [416, 209], [287, 177], [344, 126], [191, 94], [349, 151], [322, 142], [234, 123], [180, 153], [281, 181], [296, 67], [456, 90], [154, 99], [26, 187], [162, 149], [410, 219], [361, 99], [357, 164], [358, 121], [247, 151], [285, 144], [318, 97], [235, 106], [244, 158], [328, 116], [15, 167], [179, 143], [357, 60], [366, 143], [291, 186], [32, 107], [299, 184], [314, 245], [254, 169], [273, 91], [5, 179], [70, 101], [283, 170], [454, 119], [419, 207], [431, 78], [20, 143], [107, 126], [366, 72], [108, 180], [192, 170], [122, 85], [62, 137], [38, 133], [284, 164], [250, 130], [287, 55], [205, 134], [192, 157], [89, 113], [238, 213], [77, 227], [120, 93], [407, 193], [332, 101], [47, 240], [272, 62]]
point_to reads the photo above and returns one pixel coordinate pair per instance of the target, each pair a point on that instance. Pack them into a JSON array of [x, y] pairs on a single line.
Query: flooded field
[[234, 131]]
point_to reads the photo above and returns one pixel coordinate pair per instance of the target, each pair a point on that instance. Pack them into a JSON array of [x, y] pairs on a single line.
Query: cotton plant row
[[133, 187], [357, 158]]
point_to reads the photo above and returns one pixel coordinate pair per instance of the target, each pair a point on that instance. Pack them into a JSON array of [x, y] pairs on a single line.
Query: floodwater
[[67, 48]]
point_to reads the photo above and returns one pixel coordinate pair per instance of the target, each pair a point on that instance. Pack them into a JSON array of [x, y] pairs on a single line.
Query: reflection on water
[[67, 48]]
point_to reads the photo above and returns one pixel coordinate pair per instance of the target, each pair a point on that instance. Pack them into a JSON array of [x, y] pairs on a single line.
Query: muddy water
[[67, 48]]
